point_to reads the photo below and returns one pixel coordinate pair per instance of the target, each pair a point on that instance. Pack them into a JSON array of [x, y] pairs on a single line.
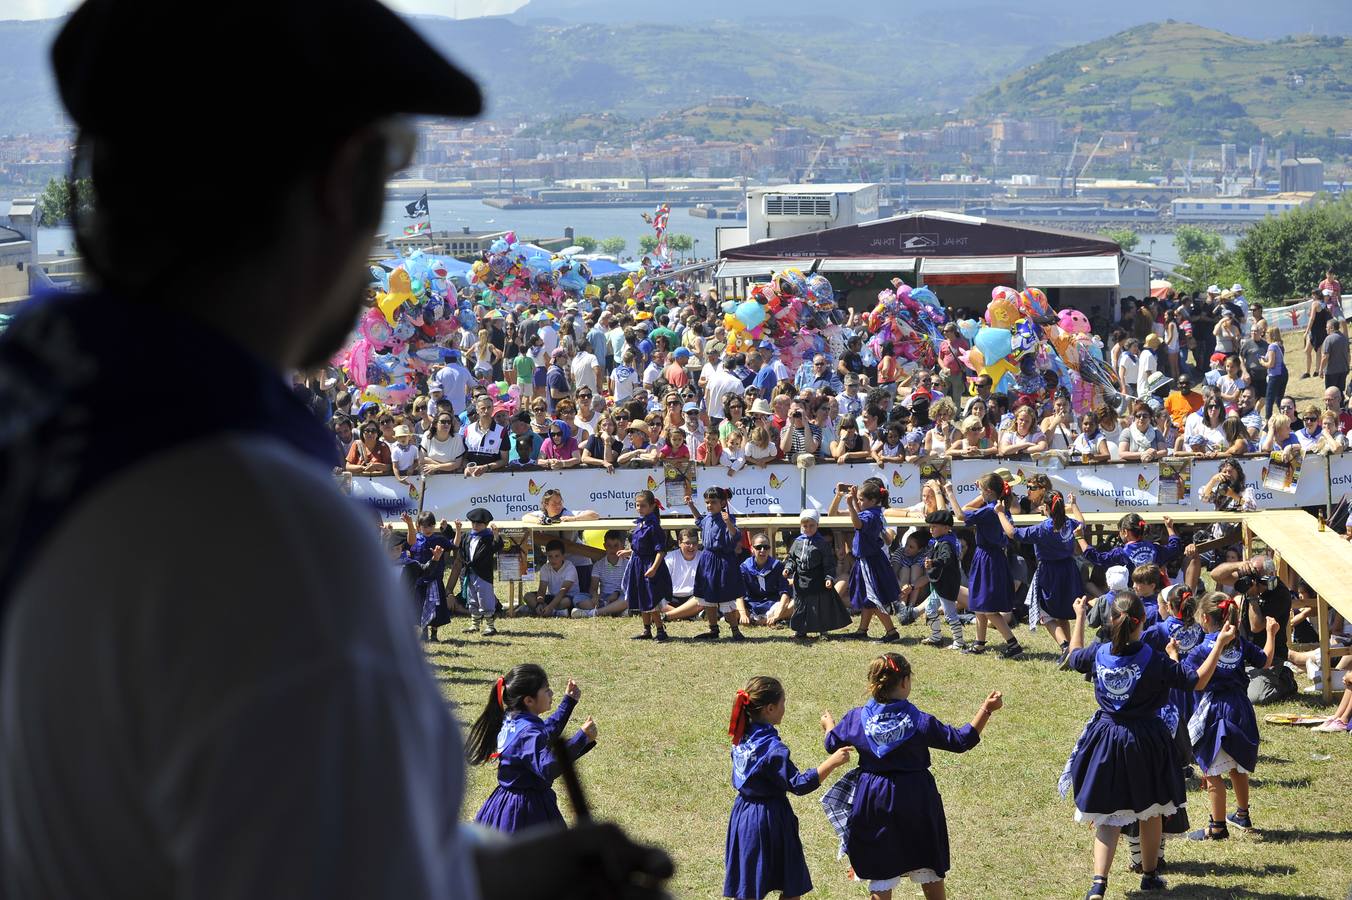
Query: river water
[[598, 223]]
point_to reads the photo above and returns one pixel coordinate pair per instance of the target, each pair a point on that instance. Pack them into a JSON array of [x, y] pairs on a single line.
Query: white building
[[1237, 209], [20, 273]]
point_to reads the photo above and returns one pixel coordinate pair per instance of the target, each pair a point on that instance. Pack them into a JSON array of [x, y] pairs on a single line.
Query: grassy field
[[662, 769]]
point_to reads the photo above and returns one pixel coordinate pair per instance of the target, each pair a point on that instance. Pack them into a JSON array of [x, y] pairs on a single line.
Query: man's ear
[[352, 184]]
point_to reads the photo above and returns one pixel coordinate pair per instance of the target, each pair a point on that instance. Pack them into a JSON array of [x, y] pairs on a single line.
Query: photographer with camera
[[1262, 597]]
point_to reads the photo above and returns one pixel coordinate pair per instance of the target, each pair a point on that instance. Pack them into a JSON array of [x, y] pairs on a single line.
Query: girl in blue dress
[[1178, 610], [718, 582], [1223, 727], [510, 731], [764, 853], [1123, 770], [896, 825], [1056, 580], [873, 584], [647, 580], [990, 591]]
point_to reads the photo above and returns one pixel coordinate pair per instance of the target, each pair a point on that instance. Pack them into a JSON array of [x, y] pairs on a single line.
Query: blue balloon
[[926, 296], [994, 343], [969, 328], [750, 313]]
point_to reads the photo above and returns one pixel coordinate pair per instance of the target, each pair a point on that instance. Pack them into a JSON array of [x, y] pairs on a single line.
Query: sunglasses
[[759, 547], [557, 434], [447, 422], [1309, 418]]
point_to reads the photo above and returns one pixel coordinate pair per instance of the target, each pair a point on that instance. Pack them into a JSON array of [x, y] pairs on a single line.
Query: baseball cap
[[766, 345], [311, 69], [682, 353], [435, 387], [1237, 287], [690, 407], [1214, 289]]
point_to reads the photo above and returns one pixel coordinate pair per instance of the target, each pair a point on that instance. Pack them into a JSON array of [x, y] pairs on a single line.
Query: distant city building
[[20, 273], [1229, 158], [1304, 173], [1237, 209]]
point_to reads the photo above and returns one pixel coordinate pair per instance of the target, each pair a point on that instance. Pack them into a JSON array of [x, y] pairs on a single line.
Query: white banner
[[510, 495], [1123, 487], [1340, 476], [903, 481], [773, 490]]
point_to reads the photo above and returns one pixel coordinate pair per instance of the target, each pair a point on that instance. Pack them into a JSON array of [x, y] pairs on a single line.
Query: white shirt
[[403, 458], [719, 385], [549, 337], [623, 388], [1146, 363], [584, 369], [552, 580], [174, 720], [448, 450], [682, 573]]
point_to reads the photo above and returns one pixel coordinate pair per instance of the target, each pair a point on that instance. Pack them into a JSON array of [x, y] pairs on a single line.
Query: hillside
[[1180, 80]]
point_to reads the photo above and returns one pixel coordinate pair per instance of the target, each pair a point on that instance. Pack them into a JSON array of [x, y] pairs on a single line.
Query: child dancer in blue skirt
[[718, 582], [1056, 580], [764, 853], [511, 731], [1124, 770], [873, 584], [1178, 611], [896, 825], [990, 590], [647, 580], [1223, 728]]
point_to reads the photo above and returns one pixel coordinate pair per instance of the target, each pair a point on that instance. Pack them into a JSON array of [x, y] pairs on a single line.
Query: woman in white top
[[444, 446], [1059, 427], [1023, 438], [1147, 364], [1227, 334], [1090, 444], [1206, 435], [942, 436], [586, 417]]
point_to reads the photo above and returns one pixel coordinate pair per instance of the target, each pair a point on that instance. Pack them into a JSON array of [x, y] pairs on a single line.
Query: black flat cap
[[275, 74]]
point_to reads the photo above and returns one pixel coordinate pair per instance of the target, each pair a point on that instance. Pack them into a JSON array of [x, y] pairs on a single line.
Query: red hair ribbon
[[1226, 605], [1004, 488], [1181, 596], [882, 496], [737, 727], [892, 664], [1135, 621], [658, 504], [500, 688]]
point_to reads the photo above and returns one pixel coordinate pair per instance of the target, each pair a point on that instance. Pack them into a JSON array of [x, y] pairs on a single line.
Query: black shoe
[[1151, 881], [856, 635], [642, 636], [975, 648], [1098, 889], [1214, 831], [1011, 650], [890, 638], [707, 636], [661, 637], [737, 635]]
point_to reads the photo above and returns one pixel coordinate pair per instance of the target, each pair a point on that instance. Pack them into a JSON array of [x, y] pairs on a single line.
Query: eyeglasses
[[557, 434], [366, 431], [1309, 418], [759, 547], [447, 422]]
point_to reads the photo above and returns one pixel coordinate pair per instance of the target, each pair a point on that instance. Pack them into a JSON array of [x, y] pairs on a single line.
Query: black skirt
[[817, 611]]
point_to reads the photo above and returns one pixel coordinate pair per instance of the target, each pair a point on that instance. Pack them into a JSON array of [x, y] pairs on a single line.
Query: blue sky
[[47, 9]]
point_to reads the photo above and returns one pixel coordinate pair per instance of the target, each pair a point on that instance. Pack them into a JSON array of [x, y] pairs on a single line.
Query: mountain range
[[888, 62]]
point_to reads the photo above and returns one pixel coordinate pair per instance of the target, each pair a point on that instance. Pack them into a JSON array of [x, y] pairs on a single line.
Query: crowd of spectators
[[609, 384]]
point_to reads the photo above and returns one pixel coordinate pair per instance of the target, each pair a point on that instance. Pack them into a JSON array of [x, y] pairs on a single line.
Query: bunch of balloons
[[1020, 337], [514, 272], [791, 311], [910, 320]]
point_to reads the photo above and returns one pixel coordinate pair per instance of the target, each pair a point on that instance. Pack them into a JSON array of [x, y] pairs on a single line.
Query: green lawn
[[661, 768]]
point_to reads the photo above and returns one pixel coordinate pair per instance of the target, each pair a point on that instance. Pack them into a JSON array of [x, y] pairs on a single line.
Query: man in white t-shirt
[[549, 336], [586, 370], [718, 385], [455, 381]]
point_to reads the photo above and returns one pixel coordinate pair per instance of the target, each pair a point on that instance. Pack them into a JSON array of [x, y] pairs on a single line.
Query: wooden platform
[[1322, 559]]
